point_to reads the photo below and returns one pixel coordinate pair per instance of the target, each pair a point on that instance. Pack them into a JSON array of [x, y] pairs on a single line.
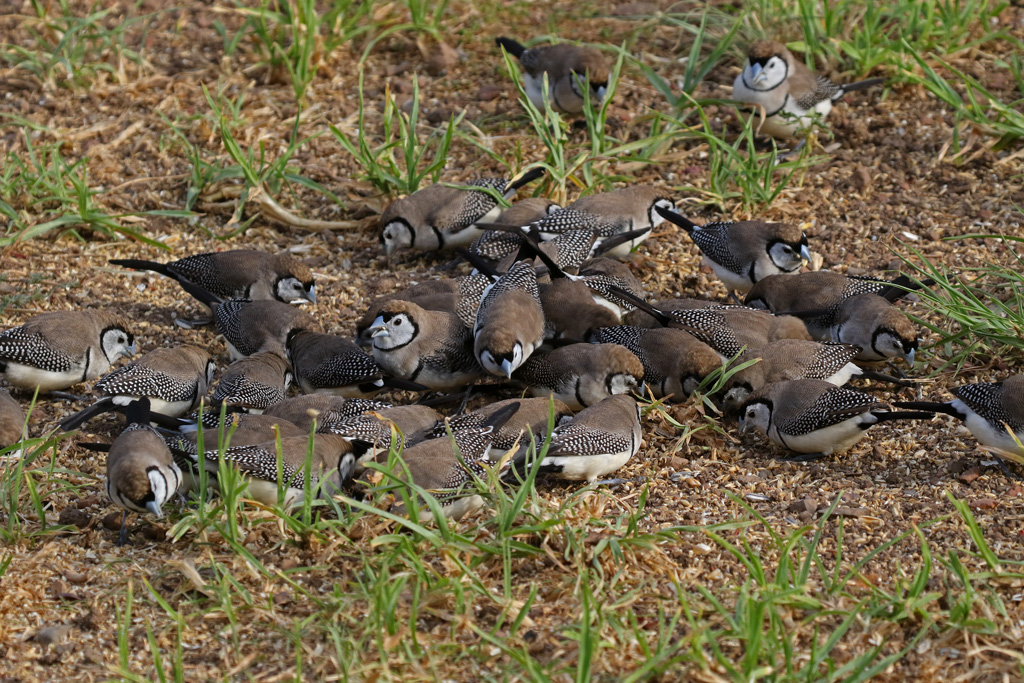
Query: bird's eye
[[788, 249], [121, 340], [398, 322]]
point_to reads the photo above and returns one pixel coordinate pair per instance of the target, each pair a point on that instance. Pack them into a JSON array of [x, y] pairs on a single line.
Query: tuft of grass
[[980, 310], [396, 162]]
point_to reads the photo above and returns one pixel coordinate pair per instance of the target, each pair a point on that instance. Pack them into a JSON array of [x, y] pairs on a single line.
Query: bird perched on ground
[[441, 217], [608, 214], [582, 375], [253, 383], [598, 441], [814, 417], [446, 467], [820, 293], [327, 363], [531, 420], [331, 460], [141, 473], [509, 322], [744, 252], [174, 380], [53, 351], [570, 69], [791, 94], [433, 348], [238, 274], [674, 361], [12, 420], [787, 359], [987, 409], [881, 330]]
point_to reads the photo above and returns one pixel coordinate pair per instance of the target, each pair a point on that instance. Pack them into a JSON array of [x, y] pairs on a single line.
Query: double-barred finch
[[582, 375], [640, 318], [787, 359], [571, 70], [329, 364], [326, 409], [728, 330], [253, 383], [674, 361], [881, 330], [432, 348], [791, 94], [820, 292], [598, 441], [441, 217], [12, 420], [460, 295], [571, 311], [509, 322], [815, 417], [375, 432], [743, 252], [446, 467], [989, 410], [141, 473], [534, 418], [238, 274], [496, 245], [54, 351], [610, 213], [253, 326], [174, 380], [330, 459]]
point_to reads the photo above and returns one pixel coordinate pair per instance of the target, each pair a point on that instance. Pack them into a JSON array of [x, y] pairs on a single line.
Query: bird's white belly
[[833, 439], [28, 377], [986, 433], [534, 87], [589, 467], [844, 375]]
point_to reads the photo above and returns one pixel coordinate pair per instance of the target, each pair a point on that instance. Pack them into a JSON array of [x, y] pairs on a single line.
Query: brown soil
[[884, 187]]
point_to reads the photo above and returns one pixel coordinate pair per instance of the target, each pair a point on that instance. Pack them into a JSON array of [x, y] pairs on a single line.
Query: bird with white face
[[791, 95]]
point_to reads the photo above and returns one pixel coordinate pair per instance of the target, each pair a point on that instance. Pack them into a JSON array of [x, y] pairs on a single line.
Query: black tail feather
[[527, 176], [888, 416], [512, 47], [882, 377], [141, 264], [609, 243], [660, 316], [677, 218], [404, 384], [200, 294], [100, 407], [861, 85], [944, 408], [479, 262], [901, 286]]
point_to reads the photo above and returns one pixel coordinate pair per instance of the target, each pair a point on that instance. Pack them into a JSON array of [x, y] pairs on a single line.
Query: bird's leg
[[122, 537], [1003, 467], [736, 298], [785, 156], [465, 400], [896, 371]]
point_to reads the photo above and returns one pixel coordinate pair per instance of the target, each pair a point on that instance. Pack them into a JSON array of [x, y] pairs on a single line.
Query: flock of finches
[[548, 316]]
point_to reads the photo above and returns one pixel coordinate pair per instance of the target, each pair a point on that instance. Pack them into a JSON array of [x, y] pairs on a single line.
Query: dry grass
[[713, 562]]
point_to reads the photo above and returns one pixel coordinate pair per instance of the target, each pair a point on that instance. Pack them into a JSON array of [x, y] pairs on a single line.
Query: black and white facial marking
[[211, 369], [502, 364], [397, 234], [115, 342], [656, 218], [598, 89], [163, 482], [391, 331], [787, 256], [620, 383], [756, 415], [765, 73], [887, 343], [291, 290]]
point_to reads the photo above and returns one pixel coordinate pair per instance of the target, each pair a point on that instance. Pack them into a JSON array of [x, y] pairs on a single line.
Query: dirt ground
[[882, 189]]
